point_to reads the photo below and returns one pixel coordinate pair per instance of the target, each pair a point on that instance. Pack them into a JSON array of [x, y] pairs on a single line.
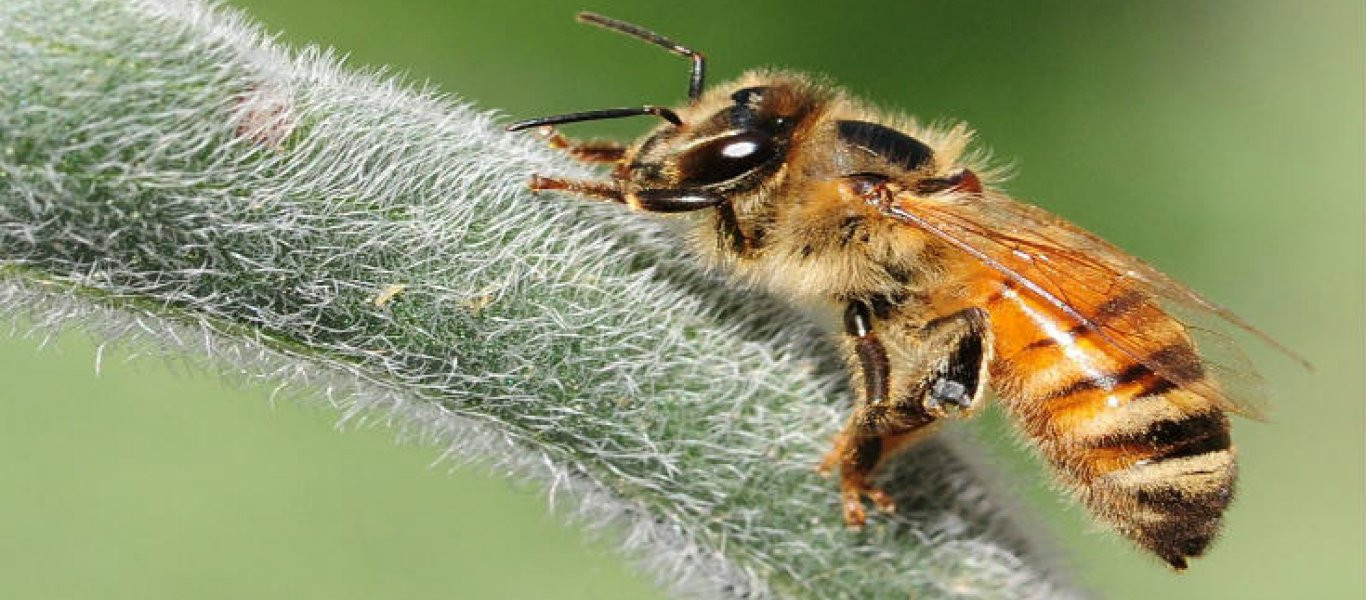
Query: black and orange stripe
[[1146, 455]]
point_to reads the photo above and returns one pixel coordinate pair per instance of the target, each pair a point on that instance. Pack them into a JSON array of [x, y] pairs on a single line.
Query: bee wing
[[1079, 273]]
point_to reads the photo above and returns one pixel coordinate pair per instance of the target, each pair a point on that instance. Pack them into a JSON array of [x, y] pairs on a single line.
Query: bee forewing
[[1090, 280]]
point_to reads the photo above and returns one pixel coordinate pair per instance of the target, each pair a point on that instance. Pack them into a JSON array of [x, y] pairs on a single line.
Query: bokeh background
[[1222, 140]]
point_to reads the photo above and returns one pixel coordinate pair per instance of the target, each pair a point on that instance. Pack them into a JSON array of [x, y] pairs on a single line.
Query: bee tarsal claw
[[881, 500], [854, 515]]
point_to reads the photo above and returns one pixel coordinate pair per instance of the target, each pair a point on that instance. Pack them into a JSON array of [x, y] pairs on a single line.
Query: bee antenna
[[699, 62], [598, 115]]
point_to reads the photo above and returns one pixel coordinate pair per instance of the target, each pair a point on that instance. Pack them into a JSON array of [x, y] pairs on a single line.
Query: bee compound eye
[[727, 157], [740, 149]]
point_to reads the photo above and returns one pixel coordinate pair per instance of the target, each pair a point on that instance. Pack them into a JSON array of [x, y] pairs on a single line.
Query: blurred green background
[[1220, 140]]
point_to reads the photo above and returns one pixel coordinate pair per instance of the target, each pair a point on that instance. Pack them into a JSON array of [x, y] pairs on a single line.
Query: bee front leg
[[598, 190], [593, 151]]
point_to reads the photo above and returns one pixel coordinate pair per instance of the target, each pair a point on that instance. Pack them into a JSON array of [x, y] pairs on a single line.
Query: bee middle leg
[[858, 453], [871, 432], [884, 423]]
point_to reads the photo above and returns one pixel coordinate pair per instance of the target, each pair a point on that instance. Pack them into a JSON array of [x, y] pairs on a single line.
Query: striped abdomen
[[1147, 456]]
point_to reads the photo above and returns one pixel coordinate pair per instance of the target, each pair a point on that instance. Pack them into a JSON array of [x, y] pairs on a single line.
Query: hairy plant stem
[[170, 174]]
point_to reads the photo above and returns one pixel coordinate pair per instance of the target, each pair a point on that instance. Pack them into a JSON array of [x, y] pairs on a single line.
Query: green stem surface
[[168, 172]]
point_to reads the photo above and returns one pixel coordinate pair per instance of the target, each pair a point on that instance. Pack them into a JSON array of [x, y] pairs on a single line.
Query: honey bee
[[1121, 377]]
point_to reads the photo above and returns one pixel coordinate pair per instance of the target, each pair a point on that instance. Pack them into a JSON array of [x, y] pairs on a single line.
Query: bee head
[[737, 139], [729, 140]]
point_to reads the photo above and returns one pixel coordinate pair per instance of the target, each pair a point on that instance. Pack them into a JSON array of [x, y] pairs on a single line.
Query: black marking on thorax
[[889, 144]]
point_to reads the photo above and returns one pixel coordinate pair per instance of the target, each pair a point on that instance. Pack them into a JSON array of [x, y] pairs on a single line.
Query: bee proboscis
[[1120, 376]]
